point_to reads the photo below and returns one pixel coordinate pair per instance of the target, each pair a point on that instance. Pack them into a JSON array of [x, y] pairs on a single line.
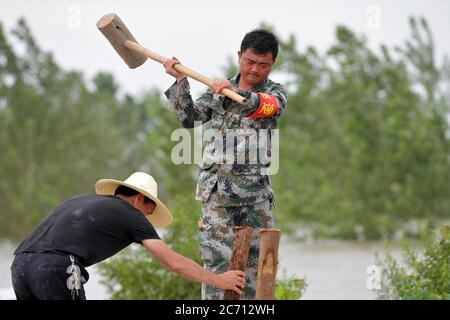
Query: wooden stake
[[239, 256], [267, 263]]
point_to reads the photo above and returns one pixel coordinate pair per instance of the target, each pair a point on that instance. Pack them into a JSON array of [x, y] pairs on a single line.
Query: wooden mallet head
[[117, 33]]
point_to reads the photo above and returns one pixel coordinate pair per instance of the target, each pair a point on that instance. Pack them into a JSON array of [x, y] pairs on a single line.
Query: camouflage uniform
[[232, 194]]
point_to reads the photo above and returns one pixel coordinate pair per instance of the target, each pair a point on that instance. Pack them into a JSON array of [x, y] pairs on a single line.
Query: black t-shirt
[[92, 227]]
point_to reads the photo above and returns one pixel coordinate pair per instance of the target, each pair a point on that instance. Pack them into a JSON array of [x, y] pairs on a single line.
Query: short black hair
[[125, 191], [260, 41]]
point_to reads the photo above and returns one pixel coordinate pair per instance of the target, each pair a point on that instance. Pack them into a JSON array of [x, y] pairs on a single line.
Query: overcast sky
[[202, 34]]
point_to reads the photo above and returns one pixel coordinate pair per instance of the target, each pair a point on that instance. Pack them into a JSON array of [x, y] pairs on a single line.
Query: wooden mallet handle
[[184, 70], [135, 55]]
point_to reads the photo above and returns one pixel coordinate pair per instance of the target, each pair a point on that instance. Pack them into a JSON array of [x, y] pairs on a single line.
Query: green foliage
[[59, 133], [370, 135], [134, 274], [364, 148], [369, 129], [290, 288], [423, 275]]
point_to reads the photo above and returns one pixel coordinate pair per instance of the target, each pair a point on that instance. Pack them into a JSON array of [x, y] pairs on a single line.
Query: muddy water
[[333, 269]]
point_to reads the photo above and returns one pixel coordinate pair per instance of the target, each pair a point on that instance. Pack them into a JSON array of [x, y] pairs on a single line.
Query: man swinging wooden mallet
[[232, 194]]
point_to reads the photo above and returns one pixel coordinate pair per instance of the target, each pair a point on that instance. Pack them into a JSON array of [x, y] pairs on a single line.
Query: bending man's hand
[[231, 280]]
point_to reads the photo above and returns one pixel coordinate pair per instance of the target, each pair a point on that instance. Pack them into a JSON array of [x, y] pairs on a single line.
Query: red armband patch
[[268, 106]]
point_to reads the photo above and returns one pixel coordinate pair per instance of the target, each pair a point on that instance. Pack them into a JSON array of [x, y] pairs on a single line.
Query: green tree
[[59, 133], [423, 275], [370, 135]]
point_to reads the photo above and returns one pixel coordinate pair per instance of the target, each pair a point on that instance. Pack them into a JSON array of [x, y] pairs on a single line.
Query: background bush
[[423, 274]]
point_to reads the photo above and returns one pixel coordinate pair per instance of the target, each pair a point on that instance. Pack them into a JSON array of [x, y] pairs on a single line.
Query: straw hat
[[145, 184]]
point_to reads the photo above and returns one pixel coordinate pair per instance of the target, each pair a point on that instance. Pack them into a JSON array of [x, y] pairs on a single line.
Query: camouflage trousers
[[216, 236]]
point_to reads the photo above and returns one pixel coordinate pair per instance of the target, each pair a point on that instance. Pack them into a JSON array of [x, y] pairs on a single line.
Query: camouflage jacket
[[237, 182]]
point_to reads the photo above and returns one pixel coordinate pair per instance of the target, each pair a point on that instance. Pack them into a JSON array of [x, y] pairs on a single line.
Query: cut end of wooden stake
[[260, 231]]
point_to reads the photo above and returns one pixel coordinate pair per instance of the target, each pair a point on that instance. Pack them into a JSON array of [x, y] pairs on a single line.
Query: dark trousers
[[43, 276]]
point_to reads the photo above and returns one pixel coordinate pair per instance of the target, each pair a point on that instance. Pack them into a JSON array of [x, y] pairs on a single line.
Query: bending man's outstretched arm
[[189, 269]]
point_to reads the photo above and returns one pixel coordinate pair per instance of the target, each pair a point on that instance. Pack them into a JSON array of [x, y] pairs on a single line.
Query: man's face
[[254, 68], [149, 207], [145, 207]]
